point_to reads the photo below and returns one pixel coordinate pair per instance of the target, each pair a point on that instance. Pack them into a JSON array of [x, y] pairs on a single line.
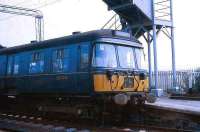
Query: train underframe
[[87, 107]]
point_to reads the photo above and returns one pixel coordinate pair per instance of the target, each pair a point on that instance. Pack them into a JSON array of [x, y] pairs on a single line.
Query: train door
[[64, 69], [9, 73], [12, 71], [83, 75]]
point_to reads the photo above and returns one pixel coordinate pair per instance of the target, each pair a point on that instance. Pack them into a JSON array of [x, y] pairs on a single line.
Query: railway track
[[24, 123], [22, 126], [146, 118]]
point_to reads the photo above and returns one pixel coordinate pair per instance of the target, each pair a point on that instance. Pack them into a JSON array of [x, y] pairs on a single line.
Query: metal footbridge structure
[[145, 18]]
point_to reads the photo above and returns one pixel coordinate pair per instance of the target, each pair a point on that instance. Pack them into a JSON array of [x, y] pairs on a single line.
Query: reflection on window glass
[[9, 67], [13, 65], [61, 60], [126, 57], [16, 65], [84, 56], [140, 58], [16, 69], [105, 56], [37, 63]]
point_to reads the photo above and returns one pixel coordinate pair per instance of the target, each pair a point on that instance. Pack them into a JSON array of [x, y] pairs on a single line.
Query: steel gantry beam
[[39, 22]]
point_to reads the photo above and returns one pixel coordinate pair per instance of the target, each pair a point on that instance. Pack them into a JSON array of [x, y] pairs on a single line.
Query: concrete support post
[[149, 60], [155, 58]]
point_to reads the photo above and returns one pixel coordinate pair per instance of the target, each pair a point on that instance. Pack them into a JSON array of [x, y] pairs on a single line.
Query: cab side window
[[37, 63], [84, 57]]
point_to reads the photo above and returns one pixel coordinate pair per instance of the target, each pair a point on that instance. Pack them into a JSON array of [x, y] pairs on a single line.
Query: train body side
[[17, 76]]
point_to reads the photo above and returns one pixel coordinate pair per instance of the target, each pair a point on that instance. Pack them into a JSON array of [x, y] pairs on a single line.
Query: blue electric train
[[84, 69]]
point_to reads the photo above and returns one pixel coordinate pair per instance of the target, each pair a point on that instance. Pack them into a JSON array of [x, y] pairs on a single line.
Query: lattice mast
[[39, 22]]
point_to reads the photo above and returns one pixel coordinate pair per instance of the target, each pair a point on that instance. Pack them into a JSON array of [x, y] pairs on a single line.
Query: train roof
[[75, 38]]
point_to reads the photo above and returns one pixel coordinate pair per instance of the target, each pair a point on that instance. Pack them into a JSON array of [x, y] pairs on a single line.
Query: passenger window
[[61, 60], [84, 56], [37, 63], [16, 65], [13, 65]]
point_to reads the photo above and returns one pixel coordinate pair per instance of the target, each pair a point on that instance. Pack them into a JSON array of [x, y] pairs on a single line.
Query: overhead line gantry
[[39, 22]]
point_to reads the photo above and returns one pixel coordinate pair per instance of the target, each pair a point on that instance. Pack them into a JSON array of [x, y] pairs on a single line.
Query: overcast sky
[[66, 16]]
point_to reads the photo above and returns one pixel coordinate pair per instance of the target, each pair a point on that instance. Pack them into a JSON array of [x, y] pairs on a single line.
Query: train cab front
[[118, 73]]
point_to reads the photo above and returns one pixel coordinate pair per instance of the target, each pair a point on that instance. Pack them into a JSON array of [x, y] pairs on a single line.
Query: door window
[[61, 60], [37, 63]]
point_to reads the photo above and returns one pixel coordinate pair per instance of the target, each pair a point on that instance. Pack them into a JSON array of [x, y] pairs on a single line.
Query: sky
[[66, 16]]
